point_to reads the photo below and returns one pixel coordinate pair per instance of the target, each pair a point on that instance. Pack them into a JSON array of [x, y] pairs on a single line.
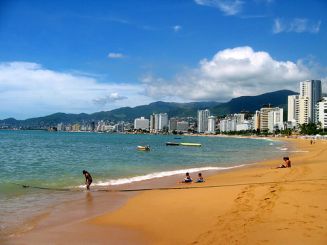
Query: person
[[200, 178], [88, 179], [287, 163], [187, 179]]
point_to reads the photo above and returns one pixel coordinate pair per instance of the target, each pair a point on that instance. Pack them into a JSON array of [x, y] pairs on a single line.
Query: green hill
[[244, 103]]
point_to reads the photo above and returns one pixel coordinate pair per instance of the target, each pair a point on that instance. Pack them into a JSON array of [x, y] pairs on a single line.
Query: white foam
[[156, 175]]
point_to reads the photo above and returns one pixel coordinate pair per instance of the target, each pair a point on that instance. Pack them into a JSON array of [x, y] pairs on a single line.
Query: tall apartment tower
[[322, 113], [293, 109], [203, 120], [163, 121], [211, 124], [310, 90]]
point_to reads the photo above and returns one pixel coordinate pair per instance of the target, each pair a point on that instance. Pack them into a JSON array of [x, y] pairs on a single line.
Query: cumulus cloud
[[230, 73], [115, 56], [113, 97], [297, 25], [177, 28], [28, 89], [228, 7]]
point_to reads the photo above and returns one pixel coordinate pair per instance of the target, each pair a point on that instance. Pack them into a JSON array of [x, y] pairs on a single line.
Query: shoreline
[[134, 234]]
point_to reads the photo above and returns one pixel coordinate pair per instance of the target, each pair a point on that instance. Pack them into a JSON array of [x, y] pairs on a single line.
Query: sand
[[254, 205]]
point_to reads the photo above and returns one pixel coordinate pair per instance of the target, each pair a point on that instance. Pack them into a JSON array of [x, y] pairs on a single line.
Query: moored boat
[[172, 143], [190, 144], [143, 148]]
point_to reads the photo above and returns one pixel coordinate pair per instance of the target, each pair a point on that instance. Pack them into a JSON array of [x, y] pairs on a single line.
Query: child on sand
[[200, 178], [187, 179]]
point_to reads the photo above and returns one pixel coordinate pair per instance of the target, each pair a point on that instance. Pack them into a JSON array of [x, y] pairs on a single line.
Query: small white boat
[[143, 148], [190, 144]]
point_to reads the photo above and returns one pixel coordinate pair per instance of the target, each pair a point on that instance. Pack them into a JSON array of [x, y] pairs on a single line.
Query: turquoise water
[[56, 160]]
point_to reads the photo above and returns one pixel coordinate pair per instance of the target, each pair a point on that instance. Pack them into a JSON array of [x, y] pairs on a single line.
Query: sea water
[[56, 160]]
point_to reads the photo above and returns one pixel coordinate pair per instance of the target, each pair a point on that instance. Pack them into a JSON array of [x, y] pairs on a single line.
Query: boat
[[143, 148], [172, 143], [190, 144], [177, 138]]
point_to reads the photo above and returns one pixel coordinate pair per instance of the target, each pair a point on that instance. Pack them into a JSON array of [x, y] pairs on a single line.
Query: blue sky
[[86, 56]]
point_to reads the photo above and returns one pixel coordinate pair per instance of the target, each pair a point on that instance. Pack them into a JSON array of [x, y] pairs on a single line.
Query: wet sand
[[254, 205]]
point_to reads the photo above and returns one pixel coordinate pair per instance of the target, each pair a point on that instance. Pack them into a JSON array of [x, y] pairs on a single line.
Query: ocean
[[55, 160]]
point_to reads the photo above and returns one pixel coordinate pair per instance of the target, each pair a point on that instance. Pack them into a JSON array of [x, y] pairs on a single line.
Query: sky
[[77, 56]]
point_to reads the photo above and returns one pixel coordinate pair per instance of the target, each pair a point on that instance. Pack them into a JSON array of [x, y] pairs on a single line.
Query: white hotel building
[[321, 110], [141, 123], [302, 107], [203, 120]]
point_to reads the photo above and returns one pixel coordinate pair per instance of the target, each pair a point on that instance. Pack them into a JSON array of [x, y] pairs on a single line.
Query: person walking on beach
[[88, 179]]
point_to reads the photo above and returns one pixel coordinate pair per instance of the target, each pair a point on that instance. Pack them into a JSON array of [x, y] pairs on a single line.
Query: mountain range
[[243, 103]]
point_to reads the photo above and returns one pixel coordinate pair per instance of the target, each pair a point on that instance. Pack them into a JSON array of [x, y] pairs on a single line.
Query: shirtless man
[[88, 179], [287, 163]]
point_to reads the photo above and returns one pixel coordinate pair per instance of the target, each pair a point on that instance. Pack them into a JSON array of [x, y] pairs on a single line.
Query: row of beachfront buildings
[[306, 107]]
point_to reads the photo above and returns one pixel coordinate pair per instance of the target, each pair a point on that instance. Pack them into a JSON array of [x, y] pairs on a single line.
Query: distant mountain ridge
[[243, 103]]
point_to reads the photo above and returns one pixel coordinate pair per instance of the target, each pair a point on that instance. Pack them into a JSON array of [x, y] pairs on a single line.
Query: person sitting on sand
[[187, 179], [88, 179], [200, 178], [287, 163]]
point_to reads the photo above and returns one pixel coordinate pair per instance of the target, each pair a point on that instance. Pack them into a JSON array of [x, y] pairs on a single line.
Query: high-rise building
[[239, 117], [152, 123], [293, 109], [173, 124], [203, 120], [227, 125], [275, 119], [156, 122], [321, 116], [141, 123], [264, 117], [310, 90], [256, 120], [163, 121], [304, 115], [211, 124]]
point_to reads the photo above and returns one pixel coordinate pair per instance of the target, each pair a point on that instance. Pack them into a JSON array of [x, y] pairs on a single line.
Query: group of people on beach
[[188, 178]]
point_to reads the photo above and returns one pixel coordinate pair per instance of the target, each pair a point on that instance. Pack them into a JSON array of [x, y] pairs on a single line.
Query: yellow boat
[[190, 144]]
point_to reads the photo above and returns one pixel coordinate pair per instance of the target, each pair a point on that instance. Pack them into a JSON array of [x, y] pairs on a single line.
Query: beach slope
[[256, 205]]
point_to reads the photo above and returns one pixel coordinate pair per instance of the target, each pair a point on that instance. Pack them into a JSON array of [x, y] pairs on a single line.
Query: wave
[[156, 175]]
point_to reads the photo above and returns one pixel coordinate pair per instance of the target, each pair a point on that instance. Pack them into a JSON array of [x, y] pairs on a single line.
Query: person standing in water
[[88, 179]]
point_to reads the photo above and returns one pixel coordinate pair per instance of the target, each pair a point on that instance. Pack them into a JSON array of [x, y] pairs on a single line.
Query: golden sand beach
[[258, 204]]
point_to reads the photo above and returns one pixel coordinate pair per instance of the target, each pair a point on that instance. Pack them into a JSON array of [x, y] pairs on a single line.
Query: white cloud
[[297, 25], [28, 89], [113, 97], [177, 28], [115, 56], [228, 7], [230, 73]]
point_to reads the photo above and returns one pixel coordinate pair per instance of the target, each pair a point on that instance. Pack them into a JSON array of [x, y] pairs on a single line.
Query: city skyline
[[63, 57]]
